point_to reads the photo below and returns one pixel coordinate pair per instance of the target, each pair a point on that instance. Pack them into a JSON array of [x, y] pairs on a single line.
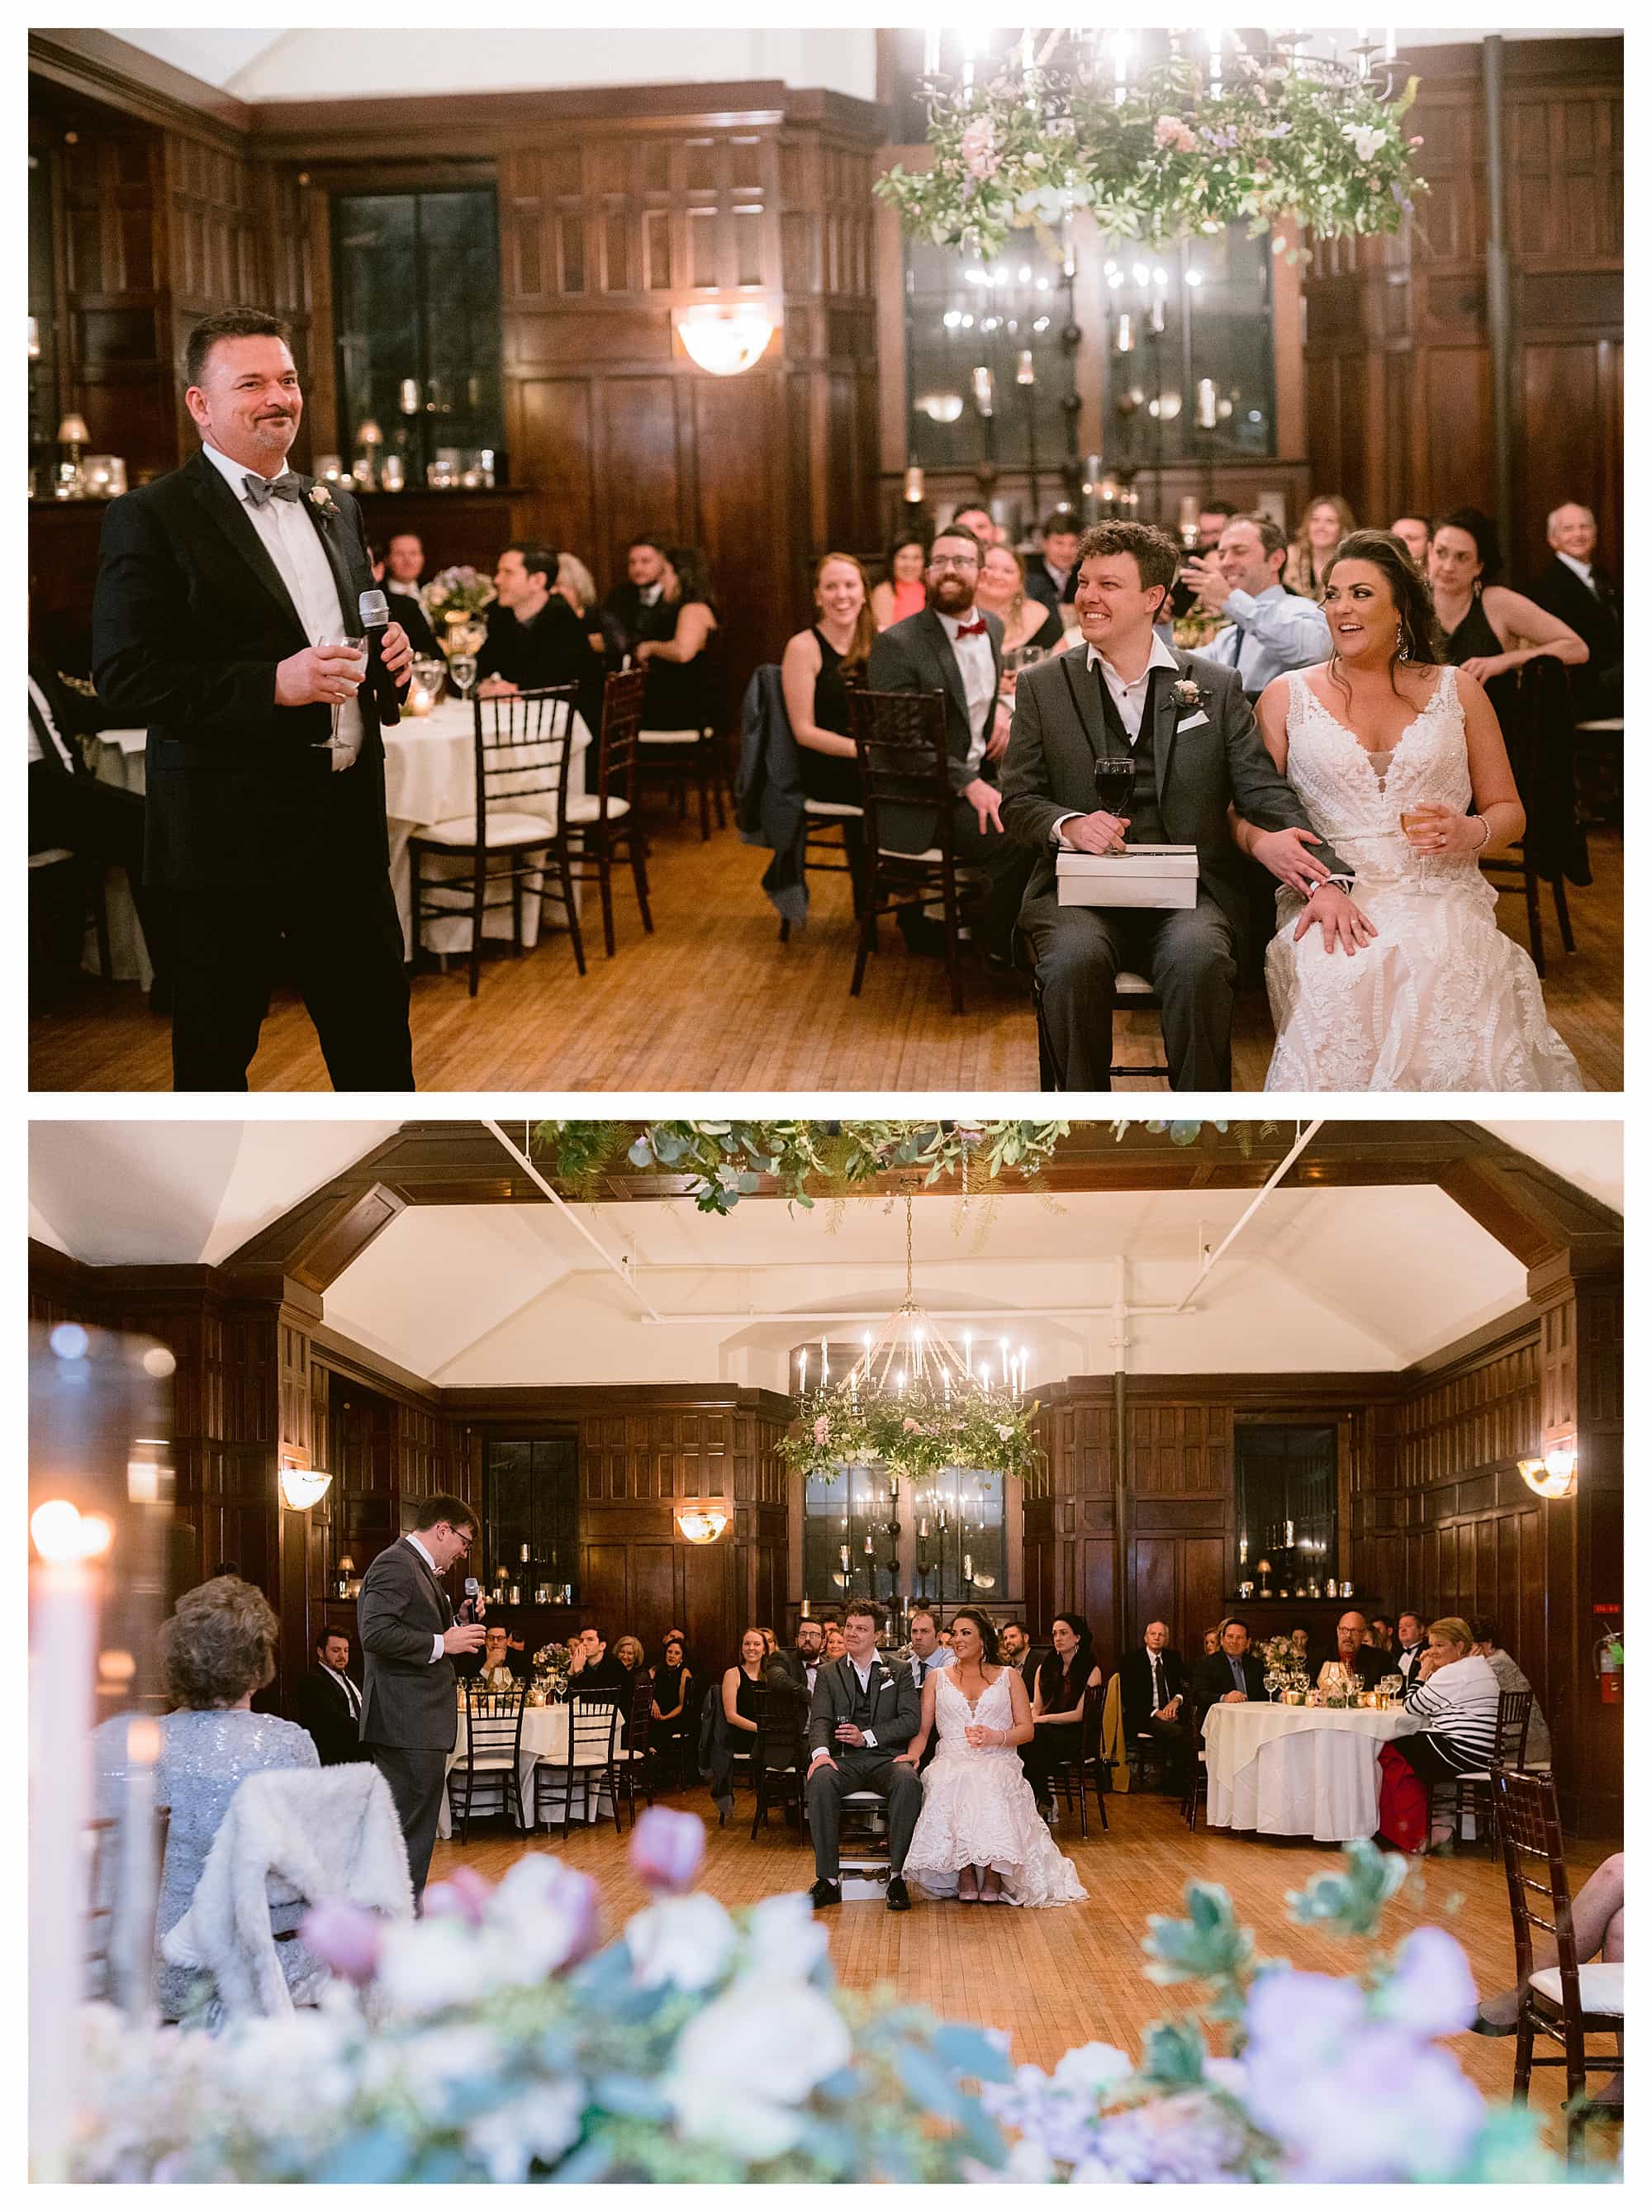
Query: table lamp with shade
[[369, 439], [72, 435]]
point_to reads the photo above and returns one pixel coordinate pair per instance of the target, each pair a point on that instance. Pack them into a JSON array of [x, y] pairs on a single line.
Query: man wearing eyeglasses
[[410, 1640], [949, 646]]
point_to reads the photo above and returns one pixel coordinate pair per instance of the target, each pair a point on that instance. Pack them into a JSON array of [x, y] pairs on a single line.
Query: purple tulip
[[667, 1847], [463, 1896], [345, 1936]]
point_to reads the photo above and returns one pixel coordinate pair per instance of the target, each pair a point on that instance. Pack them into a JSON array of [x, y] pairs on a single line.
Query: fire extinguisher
[[1609, 1666]]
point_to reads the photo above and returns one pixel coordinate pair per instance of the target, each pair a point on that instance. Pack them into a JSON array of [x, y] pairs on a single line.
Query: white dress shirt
[[974, 658], [49, 725], [867, 1739], [348, 1686], [441, 1651], [1130, 699], [1269, 635], [291, 540], [1582, 569]]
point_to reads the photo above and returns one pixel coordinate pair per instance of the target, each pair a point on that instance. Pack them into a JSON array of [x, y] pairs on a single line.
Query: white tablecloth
[[1298, 1770], [429, 777], [545, 1736]]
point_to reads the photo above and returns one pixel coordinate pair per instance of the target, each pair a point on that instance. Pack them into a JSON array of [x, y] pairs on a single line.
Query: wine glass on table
[[357, 667], [462, 669]]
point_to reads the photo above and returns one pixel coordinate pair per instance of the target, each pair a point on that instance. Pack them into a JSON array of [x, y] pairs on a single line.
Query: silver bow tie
[[260, 492]]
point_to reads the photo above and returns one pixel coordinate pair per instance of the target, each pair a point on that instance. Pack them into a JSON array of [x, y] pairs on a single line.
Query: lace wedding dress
[[1442, 1000], [979, 1810]]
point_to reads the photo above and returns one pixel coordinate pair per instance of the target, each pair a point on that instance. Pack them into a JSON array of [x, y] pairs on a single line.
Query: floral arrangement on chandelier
[[1185, 147], [915, 1433]]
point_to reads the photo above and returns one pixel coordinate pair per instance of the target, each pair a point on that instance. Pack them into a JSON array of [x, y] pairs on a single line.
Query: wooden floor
[[1072, 1974], [714, 1002]]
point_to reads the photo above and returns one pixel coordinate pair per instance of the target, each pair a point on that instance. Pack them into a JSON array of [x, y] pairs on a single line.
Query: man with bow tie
[[949, 647], [410, 1689], [862, 1715], [224, 591]]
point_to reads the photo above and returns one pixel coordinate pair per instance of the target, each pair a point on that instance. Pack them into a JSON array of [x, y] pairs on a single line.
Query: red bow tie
[[976, 629]]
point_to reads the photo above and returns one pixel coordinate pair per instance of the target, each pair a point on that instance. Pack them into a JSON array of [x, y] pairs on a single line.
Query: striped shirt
[[1458, 1708]]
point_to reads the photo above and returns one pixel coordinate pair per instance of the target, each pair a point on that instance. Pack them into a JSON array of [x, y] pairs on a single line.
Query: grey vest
[[1146, 823]]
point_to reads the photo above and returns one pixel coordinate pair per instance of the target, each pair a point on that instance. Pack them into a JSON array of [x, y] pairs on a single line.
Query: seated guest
[[1002, 590], [834, 1646], [903, 593], [1381, 1630], [1213, 519], [1412, 1643], [1233, 1676], [1269, 630], [1302, 1638], [100, 822], [1015, 1645], [575, 583], [1053, 575], [1353, 1654], [669, 1708], [742, 1684], [863, 1715], [678, 656], [592, 1665], [979, 523], [1326, 521], [1597, 1927], [534, 638], [1065, 1673], [400, 573], [814, 670], [1212, 1641], [1540, 1751], [1487, 630], [1453, 1692], [929, 1654], [794, 1671], [496, 1671], [216, 1651], [1413, 531], [629, 1652], [946, 1637], [327, 1703], [1153, 1692], [1576, 591], [636, 605]]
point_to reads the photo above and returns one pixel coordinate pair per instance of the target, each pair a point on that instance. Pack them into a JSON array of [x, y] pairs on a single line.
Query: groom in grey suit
[[409, 1695], [1187, 730], [862, 1715]]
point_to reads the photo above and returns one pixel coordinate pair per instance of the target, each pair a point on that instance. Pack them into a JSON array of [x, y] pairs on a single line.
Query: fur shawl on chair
[[331, 1832]]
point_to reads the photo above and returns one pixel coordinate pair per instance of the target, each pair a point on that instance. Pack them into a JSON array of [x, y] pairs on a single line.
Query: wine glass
[[357, 648], [462, 669], [1115, 781]]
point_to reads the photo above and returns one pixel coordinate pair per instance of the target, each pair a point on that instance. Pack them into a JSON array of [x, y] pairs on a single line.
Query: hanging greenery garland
[[1168, 156], [916, 1436]]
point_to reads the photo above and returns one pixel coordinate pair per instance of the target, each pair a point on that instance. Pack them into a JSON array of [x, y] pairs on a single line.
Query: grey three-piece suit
[[889, 1708]]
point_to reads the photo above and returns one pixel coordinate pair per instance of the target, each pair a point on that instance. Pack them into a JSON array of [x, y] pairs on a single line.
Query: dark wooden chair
[[901, 750], [518, 835], [1091, 1767], [635, 1761], [1534, 708], [1472, 1793], [780, 1760], [591, 1762], [1198, 1790], [1564, 2003], [104, 1971], [488, 1780], [691, 758], [64, 886], [833, 827], [606, 825]]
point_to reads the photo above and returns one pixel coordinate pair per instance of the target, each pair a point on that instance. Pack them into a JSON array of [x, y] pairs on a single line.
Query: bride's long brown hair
[[1419, 638], [984, 1629]]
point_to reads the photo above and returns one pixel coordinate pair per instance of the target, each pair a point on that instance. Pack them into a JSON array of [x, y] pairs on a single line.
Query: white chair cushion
[[671, 736], [503, 830], [1607, 722], [490, 1763], [1126, 984], [1599, 1986], [864, 1797], [587, 806], [832, 806], [933, 853], [50, 859]]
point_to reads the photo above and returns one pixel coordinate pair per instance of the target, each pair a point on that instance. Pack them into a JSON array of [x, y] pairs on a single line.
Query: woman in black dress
[[673, 1679], [742, 1688], [816, 669], [1488, 630], [1066, 1670], [679, 664]]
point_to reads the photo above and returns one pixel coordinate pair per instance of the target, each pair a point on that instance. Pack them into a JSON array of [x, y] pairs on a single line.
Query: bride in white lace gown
[[980, 1832], [1437, 998]]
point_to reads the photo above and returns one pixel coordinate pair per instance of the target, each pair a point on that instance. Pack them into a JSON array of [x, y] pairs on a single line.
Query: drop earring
[[1399, 640]]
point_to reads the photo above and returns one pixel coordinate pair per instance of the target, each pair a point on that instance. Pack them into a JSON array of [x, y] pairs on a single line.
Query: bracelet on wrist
[[1485, 833]]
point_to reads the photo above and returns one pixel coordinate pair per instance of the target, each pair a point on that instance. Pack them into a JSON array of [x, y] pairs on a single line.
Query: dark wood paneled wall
[[1399, 363]]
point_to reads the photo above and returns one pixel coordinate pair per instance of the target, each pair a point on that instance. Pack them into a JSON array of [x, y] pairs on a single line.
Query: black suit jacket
[[320, 1706], [406, 609], [550, 649], [1597, 687], [189, 620], [1216, 1679], [633, 622], [1043, 586], [1136, 1685], [409, 1698], [917, 655]]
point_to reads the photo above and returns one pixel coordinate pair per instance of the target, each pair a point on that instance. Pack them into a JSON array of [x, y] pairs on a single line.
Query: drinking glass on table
[[462, 669], [357, 648]]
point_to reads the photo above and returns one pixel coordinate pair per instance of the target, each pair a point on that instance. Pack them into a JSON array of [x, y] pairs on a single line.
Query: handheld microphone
[[471, 1609], [373, 608]]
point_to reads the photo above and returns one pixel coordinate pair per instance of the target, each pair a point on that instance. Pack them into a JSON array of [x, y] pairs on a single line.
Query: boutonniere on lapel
[[1189, 693], [321, 500]]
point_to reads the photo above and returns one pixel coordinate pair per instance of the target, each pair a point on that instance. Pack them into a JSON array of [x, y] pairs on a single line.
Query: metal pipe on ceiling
[[615, 1267], [1303, 1140]]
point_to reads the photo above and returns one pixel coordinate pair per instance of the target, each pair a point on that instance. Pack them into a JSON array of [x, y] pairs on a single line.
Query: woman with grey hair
[[216, 1651]]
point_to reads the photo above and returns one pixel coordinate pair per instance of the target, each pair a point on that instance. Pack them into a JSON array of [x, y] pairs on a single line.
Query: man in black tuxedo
[[399, 573], [216, 587], [1152, 1689], [794, 1673], [638, 606], [410, 1693], [1411, 1636], [863, 1715], [1576, 591], [950, 647], [328, 1701], [1185, 729], [1233, 1676], [69, 807], [534, 637], [1352, 1651], [1053, 575]]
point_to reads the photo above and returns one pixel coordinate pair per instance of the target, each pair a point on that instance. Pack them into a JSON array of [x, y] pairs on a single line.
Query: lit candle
[[1206, 403], [932, 52], [524, 1555], [969, 73], [803, 1372], [843, 1554], [825, 1373], [1390, 45], [923, 1528], [1127, 335], [901, 1382], [868, 1547], [1121, 67], [1023, 366], [968, 1575], [132, 1942], [967, 1369], [805, 1609], [946, 1386]]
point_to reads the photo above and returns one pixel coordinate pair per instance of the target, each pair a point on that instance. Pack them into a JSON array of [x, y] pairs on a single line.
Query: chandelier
[[912, 1402]]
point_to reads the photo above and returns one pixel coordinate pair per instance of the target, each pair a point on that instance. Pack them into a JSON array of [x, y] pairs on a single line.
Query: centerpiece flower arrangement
[[1341, 1686], [551, 1665], [459, 594], [497, 2039], [1180, 150]]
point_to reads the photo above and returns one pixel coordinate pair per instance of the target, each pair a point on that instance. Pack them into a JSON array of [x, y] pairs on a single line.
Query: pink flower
[[1171, 131], [463, 1896], [910, 1426], [347, 1936], [1413, 142], [667, 1847], [980, 155], [822, 1429]]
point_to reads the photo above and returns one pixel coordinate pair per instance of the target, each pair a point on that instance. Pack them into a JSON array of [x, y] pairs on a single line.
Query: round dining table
[[1298, 1770], [544, 1739], [429, 777]]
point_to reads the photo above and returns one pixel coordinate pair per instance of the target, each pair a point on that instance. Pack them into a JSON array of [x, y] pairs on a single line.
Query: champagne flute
[[357, 648]]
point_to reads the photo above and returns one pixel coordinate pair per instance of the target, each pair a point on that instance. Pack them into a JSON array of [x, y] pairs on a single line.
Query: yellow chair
[[1113, 1736]]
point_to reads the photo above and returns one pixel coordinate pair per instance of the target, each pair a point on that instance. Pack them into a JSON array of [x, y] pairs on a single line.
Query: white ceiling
[[1355, 1279]]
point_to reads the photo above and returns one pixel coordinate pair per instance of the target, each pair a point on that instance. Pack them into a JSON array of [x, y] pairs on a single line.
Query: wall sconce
[[303, 1486], [1554, 1475], [703, 1520], [724, 341]]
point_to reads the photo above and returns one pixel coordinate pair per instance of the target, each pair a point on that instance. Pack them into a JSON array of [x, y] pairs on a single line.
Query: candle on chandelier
[[806, 1609], [843, 1554], [968, 1365], [946, 1386], [1216, 62], [901, 1382], [803, 1372], [968, 1575], [824, 1370], [1206, 403], [868, 1547], [968, 60], [1121, 67], [923, 1528]]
